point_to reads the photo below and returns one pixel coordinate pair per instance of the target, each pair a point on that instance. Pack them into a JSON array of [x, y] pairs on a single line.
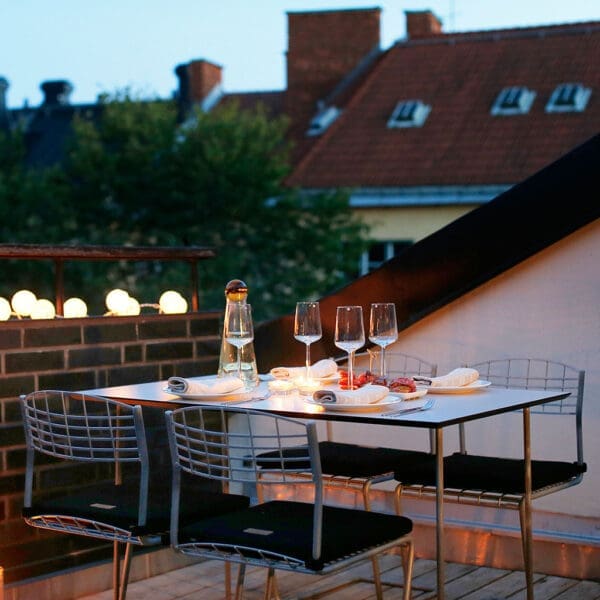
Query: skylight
[[409, 113], [568, 97], [514, 100], [323, 120]]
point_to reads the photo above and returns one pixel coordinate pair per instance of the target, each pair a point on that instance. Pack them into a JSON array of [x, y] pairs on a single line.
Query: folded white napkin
[[320, 370], [456, 378], [223, 385], [368, 394]]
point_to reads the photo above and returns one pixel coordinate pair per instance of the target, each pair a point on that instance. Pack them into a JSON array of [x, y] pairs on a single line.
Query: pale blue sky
[[106, 45]]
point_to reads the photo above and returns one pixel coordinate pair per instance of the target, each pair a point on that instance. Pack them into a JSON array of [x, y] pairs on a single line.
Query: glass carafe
[[236, 291]]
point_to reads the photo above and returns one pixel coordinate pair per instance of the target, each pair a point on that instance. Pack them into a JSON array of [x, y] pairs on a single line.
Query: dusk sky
[[109, 45]]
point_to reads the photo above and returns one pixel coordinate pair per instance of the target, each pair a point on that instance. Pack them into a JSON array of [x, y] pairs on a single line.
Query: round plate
[[459, 389], [388, 401]]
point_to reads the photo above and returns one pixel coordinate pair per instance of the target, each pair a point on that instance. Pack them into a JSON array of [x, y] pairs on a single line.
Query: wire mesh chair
[[229, 445], [497, 481], [129, 510]]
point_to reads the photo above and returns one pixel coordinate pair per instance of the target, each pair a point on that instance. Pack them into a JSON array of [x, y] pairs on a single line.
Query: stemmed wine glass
[[238, 329], [383, 329], [349, 334], [307, 327]]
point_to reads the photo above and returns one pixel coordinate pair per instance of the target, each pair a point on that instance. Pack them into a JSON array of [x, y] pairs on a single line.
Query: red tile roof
[[461, 143]]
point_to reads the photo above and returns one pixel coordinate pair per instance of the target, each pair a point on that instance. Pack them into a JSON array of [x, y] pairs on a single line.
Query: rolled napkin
[[223, 385], [368, 394], [320, 370], [456, 378]]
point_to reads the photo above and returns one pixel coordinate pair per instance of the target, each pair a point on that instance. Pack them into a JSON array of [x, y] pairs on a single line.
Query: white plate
[[459, 389], [388, 401], [227, 397]]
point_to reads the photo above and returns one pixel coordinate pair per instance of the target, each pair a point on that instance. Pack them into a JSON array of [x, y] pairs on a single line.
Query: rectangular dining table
[[448, 410]]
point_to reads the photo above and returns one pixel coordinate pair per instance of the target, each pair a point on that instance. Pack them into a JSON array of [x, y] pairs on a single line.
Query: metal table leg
[[527, 525], [439, 508]]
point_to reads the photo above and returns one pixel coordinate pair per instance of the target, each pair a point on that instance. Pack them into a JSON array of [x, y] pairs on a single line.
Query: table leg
[[439, 509], [527, 525]]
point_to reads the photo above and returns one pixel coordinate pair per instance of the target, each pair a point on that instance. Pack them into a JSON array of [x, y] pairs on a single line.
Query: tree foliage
[[136, 176]]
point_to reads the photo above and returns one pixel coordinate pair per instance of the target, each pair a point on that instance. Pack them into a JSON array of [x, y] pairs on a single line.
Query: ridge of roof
[[496, 35]]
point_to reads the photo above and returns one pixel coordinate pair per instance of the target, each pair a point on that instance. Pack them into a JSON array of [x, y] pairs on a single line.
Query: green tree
[[135, 176]]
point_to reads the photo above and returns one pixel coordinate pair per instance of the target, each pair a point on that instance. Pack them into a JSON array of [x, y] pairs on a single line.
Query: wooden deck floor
[[204, 581]]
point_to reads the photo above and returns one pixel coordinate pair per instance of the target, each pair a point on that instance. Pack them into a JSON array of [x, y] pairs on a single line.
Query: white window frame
[[409, 113], [513, 100], [568, 97]]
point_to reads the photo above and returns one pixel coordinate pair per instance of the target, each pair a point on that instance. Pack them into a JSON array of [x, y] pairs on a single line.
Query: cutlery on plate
[[404, 411]]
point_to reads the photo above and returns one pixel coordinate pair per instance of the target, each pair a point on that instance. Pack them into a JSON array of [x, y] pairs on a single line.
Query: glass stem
[[382, 369], [239, 362], [351, 369], [307, 362]]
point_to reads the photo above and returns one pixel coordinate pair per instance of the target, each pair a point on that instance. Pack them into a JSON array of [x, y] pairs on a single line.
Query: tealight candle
[[281, 386], [307, 386]]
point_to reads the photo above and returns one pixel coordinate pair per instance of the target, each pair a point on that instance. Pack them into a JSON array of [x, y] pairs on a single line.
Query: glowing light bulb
[[23, 302], [171, 303], [132, 309], [5, 310], [74, 307], [43, 309], [117, 301]]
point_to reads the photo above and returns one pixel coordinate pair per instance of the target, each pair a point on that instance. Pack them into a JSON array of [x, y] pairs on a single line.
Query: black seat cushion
[[352, 460], [286, 528], [117, 505], [492, 474]]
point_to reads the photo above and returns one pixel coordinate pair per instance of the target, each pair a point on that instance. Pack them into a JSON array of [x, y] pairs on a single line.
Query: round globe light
[[74, 308], [5, 310], [117, 301], [171, 303], [23, 302], [43, 309], [133, 308]]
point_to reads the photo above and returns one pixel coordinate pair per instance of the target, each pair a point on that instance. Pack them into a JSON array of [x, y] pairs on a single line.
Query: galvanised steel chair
[[498, 481], [129, 510], [229, 444]]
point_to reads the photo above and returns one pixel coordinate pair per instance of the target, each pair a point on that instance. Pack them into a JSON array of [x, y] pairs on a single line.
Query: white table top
[[449, 409]]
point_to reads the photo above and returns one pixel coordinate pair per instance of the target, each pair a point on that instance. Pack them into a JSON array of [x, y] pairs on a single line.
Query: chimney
[[56, 93], [422, 23], [4, 120], [199, 83], [323, 47]]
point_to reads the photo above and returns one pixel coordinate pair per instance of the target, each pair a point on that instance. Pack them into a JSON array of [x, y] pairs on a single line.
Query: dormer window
[[568, 97], [323, 120], [514, 100], [409, 113]]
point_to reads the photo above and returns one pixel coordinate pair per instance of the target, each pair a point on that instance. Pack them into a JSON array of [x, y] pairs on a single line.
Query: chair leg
[[271, 590], [121, 572], [116, 569], [407, 551], [526, 547], [239, 587]]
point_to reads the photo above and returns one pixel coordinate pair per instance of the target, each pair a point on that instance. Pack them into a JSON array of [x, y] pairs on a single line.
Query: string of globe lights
[[25, 304]]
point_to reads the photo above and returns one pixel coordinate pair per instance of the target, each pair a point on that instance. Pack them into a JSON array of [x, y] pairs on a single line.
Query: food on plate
[[397, 384]]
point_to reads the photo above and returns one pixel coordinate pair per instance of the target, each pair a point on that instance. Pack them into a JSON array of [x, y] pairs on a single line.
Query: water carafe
[[236, 291]]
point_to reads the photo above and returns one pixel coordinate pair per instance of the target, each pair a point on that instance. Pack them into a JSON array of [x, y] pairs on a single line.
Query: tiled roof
[[468, 252], [271, 101], [461, 143]]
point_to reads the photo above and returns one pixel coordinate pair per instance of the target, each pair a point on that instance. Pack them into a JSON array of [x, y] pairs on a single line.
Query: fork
[[404, 411]]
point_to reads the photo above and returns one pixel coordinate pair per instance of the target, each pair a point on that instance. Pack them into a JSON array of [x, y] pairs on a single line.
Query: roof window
[[409, 113], [514, 100], [323, 120], [568, 97]]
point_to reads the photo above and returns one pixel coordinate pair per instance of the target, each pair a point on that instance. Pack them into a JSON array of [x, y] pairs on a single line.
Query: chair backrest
[[537, 373], [398, 364], [229, 444], [84, 428]]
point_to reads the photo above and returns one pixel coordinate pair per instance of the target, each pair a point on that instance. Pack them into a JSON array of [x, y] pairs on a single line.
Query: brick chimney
[[323, 47], [199, 84], [422, 23], [4, 120], [56, 93]]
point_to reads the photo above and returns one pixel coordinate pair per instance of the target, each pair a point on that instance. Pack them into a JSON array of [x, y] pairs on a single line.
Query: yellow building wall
[[409, 223]]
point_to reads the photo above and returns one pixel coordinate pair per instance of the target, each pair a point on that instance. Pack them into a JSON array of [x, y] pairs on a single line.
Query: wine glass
[[307, 327], [383, 329], [349, 334], [238, 329]]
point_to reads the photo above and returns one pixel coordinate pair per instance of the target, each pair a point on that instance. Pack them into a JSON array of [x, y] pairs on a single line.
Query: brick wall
[[88, 353]]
